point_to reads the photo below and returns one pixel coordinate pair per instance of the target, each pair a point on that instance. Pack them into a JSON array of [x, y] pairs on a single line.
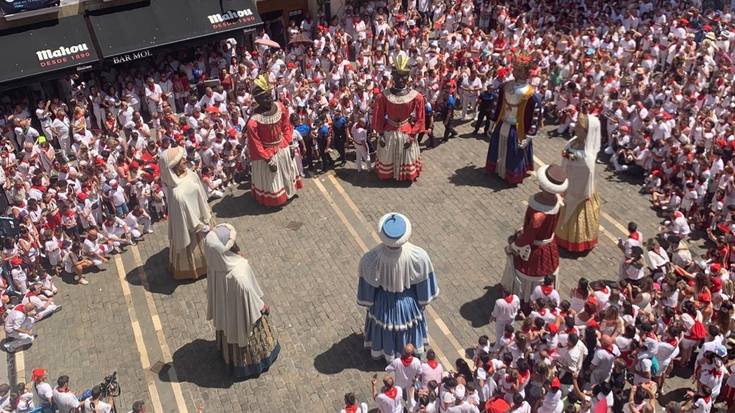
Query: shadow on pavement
[[478, 310], [156, 271], [472, 175], [368, 179], [237, 206], [198, 362], [348, 353]]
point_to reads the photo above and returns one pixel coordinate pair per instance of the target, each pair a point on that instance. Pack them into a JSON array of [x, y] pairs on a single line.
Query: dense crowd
[[80, 172]]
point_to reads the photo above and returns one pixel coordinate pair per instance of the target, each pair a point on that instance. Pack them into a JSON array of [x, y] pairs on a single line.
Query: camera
[[110, 387]]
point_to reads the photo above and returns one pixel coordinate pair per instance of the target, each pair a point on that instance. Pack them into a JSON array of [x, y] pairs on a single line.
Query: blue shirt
[[340, 122], [304, 130], [323, 131], [451, 102]]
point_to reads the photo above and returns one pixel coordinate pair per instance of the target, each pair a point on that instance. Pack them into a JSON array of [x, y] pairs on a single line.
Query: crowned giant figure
[[517, 119]]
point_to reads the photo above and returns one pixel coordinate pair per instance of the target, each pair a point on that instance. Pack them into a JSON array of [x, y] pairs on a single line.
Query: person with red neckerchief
[[407, 370], [352, 405], [390, 398]]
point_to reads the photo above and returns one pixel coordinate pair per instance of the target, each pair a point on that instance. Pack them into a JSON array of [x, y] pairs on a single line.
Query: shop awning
[[129, 33], [45, 47]]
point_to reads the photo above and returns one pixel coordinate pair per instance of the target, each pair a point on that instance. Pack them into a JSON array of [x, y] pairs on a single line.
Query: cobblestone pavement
[[133, 319]]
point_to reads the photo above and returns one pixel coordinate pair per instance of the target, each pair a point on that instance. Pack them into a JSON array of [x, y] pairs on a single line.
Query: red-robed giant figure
[[398, 116], [532, 251]]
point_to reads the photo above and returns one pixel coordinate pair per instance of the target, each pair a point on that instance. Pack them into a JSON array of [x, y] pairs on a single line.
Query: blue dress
[[396, 318]]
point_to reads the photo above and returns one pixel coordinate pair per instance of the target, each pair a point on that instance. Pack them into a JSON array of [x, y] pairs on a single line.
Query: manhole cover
[[294, 225]]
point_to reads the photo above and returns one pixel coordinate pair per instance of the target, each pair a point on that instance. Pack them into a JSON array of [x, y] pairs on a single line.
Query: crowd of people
[[80, 172]]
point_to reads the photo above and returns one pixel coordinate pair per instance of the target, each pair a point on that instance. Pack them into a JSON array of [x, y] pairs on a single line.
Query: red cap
[[37, 374], [716, 285], [555, 383], [82, 196], [232, 132], [715, 267], [15, 261], [553, 328]]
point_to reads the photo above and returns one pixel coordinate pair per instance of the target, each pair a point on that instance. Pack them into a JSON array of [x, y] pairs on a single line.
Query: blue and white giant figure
[[396, 282]]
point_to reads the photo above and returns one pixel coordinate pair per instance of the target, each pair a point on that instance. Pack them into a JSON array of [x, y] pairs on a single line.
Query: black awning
[[129, 33], [45, 47]]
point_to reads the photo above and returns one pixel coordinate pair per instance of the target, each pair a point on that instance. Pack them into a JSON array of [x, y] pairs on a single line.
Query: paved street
[[133, 319]]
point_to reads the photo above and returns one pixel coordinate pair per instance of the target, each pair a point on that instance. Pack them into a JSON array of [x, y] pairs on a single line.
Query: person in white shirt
[[42, 391], [139, 222], [117, 231], [603, 359], [505, 311], [153, 96], [552, 401], [362, 152], [572, 356], [95, 405], [96, 247], [42, 305], [353, 406], [19, 327], [406, 369], [64, 399], [431, 369], [546, 290], [390, 398]]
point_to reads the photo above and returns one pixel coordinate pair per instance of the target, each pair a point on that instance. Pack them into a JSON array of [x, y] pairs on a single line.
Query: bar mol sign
[[129, 57]]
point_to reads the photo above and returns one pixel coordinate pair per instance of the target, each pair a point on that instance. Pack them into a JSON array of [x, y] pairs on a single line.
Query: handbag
[[333, 154]]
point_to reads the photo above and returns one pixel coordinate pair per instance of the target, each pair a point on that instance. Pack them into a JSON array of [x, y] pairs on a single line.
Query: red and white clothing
[[390, 401], [406, 371], [431, 370], [399, 118], [546, 291], [269, 139], [505, 311], [537, 240]]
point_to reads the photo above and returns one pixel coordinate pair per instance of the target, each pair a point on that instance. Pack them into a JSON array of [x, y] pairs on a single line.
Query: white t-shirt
[[65, 401], [99, 406], [504, 310], [405, 375], [43, 393], [388, 405]]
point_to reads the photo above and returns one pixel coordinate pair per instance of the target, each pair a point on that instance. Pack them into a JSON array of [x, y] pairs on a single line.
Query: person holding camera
[[96, 404]]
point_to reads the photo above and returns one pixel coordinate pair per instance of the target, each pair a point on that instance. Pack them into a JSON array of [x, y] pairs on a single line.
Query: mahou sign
[[223, 20], [63, 54]]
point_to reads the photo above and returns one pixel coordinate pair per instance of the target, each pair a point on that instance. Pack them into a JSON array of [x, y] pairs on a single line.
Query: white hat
[[550, 184], [448, 397], [394, 229], [460, 391]]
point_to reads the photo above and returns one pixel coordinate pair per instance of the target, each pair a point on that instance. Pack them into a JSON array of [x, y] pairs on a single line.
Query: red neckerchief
[[508, 298], [432, 363], [635, 235], [547, 289], [508, 335], [542, 311], [351, 408], [572, 330], [66, 390], [406, 360], [673, 341], [392, 392], [20, 307], [609, 349]]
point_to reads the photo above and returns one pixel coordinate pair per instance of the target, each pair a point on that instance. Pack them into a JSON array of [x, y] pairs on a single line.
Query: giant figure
[[275, 175], [398, 117], [517, 119], [189, 215], [396, 282]]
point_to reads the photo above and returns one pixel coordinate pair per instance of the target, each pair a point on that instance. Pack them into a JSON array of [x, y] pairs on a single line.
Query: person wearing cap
[[275, 177], [398, 116], [532, 252], [396, 281], [552, 401], [42, 391], [517, 119], [579, 222], [19, 327], [236, 308], [189, 215]]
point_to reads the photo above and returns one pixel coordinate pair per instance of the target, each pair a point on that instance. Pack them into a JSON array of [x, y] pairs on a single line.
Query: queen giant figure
[[517, 119]]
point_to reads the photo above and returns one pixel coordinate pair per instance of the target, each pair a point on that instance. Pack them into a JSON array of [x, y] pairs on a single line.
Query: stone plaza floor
[[133, 319]]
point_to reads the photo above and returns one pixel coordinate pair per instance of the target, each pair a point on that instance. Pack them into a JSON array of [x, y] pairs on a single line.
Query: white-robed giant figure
[[396, 282], [189, 215], [236, 308]]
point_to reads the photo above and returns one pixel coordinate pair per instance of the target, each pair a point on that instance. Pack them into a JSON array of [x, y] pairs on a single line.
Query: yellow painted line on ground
[[156, 319], [604, 214], [363, 247], [371, 230], [20, 367], [145, 361]]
